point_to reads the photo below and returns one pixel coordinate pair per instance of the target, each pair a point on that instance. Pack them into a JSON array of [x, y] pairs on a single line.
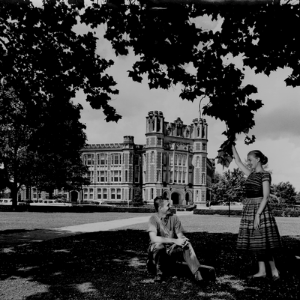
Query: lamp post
[[210, 192]]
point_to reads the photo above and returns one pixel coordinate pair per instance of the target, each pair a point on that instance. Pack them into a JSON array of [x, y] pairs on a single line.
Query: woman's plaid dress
[[266, 238]]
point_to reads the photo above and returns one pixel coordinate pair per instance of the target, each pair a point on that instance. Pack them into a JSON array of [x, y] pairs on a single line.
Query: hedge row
[[199, 211], [277, 213], [93, 208], [79, 209]]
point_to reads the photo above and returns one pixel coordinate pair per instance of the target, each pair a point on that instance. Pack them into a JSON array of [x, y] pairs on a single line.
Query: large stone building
[[173, 162]]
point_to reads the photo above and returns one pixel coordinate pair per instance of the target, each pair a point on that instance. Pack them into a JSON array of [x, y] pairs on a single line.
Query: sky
[[277, 122]]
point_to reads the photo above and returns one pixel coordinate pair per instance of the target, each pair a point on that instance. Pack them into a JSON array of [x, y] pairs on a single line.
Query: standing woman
[[258, 230]]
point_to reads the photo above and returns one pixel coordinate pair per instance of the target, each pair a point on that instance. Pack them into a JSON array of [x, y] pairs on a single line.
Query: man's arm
[[179, 229], [158, 239], [181, 236]]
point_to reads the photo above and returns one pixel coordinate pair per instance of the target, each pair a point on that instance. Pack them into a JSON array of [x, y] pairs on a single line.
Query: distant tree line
[[229, 186]]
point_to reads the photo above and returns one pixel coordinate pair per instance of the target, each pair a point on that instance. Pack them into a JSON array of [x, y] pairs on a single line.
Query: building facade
[[114, 171], [173, 162]]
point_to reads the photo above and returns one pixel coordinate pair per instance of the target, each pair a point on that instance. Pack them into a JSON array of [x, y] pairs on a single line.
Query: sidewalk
[[23, 237]]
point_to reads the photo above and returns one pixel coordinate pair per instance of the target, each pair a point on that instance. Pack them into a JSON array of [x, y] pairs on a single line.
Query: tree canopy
[[284, 191], [44, 154], [166, 41], [228, 186], [46, 62], [43, 58]]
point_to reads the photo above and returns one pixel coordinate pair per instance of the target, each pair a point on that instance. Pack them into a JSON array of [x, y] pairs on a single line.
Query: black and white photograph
[[149, 149]]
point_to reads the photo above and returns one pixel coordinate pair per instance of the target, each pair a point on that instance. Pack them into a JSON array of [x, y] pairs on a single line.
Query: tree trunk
[[29, 194], [14, 195]]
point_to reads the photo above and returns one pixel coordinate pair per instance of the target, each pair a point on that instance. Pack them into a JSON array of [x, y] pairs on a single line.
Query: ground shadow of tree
[[112, 265]]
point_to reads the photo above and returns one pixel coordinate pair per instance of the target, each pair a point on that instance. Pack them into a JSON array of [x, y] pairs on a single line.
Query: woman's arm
[[239, 163], [266, 193]]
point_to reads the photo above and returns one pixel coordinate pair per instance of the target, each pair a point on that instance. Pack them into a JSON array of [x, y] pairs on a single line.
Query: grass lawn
[[40, 220], [111, 265]]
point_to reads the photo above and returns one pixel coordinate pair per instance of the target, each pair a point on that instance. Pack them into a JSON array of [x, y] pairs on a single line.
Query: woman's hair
[[259, 154]]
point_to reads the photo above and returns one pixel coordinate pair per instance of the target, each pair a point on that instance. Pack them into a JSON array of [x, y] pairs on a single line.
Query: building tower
[[152, 158], [127, 167], [199, 137]]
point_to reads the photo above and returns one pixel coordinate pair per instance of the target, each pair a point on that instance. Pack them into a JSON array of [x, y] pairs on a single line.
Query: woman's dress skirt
[[263, 240]]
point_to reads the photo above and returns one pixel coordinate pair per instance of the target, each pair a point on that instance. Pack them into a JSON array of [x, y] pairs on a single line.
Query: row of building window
[[177, 159], [103, 158], [115, 176], [179, 177], [152, 194], [176, 129], [116, 159], [105, 193]]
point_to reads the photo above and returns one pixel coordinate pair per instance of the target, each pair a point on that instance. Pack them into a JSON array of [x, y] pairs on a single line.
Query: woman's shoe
[[276, 277]]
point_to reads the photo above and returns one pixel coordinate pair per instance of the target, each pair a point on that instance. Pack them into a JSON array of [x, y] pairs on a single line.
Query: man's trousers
[[158, 254]]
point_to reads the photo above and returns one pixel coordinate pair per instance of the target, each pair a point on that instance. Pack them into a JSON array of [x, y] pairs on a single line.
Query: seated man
[[166, 238]]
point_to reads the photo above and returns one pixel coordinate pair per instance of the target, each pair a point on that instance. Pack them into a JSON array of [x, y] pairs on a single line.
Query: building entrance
[[74, 196], [187, 198], [175, 198]]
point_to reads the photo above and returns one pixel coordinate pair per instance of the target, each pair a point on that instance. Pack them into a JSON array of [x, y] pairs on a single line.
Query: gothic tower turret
[[152, 158], [199, 159]]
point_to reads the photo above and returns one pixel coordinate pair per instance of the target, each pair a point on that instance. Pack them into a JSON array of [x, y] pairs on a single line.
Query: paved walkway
[[23, 237], [109, 225]]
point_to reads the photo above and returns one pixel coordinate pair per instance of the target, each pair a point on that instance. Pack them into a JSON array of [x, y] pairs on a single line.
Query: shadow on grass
[[112, 265], [14, 237]]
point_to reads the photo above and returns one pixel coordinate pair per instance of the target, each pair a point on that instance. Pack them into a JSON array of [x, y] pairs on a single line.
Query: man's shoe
[[198, 278], [159, 278]]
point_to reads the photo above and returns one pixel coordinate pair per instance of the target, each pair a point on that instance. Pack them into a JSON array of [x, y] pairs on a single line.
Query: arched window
[[179, 130], [158, 124], [198, 161], [203, 178], [152, 157], [152, 124], [203, 131]]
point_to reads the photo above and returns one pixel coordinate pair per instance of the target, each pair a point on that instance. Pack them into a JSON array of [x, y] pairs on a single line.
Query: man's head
[[162, 205]]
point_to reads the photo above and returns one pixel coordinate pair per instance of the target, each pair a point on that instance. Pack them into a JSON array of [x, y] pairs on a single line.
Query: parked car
[[5, 201], [85, 202], [48, 202], [8, 201], [232, 203]]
